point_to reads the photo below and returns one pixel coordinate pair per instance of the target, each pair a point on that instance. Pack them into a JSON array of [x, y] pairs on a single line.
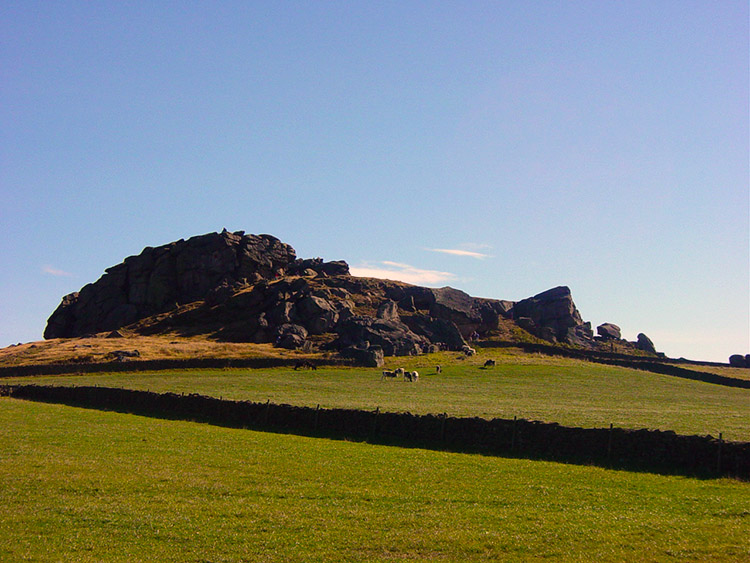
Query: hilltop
[[235, 287]]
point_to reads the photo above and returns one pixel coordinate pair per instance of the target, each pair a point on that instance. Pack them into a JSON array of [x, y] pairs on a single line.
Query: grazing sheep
[[439, 369], [468, 350], [411, 376], [489, 363], [391, 374], [399, 371]]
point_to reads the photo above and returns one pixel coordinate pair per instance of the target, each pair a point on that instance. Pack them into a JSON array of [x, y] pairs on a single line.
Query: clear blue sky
[[503, 148]]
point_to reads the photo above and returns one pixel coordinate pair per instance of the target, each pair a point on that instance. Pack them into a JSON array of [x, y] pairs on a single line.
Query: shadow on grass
[[653, 451]]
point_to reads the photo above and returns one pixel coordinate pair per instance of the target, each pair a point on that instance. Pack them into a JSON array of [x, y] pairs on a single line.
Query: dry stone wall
[[651, 450]]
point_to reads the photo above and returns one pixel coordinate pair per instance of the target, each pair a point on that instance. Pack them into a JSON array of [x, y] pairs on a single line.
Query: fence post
[[718, 456]]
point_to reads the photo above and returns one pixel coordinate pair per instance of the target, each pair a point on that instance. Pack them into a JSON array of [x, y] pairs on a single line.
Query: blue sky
[[503, 148]]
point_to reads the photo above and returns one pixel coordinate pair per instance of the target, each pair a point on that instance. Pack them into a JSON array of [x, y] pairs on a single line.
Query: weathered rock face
[[368, 356], [644, 343], [253, 288], [394, 337], [467, 313], [609, 331], [553, 310], [159, 278]]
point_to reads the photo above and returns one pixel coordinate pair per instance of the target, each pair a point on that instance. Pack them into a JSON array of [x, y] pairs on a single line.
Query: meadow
[[570, 392], [85, 485]]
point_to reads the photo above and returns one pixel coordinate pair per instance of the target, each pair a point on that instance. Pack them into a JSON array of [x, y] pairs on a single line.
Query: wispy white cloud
[[402, 272], [461, 252], [52, 271]]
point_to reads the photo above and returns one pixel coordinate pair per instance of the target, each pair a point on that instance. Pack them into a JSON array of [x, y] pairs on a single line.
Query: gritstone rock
[[553, 309], [644, 343], [738, 361], [609, 331], [159, 278]]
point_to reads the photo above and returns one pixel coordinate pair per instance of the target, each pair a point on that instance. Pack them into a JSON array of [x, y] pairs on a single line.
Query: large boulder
[[468, 313], [290, 336], [609, 331], [739, 361], [367, 356], [553, 309], [159, 279], [317, 314], [644, 343], [442, 333], [316, 266], [394, 337]]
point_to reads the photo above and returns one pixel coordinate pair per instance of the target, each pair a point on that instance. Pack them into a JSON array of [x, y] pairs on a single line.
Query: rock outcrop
[[644, 343], [739, 361], [161, 278], [552, 315], [609, 331], [253, 288]]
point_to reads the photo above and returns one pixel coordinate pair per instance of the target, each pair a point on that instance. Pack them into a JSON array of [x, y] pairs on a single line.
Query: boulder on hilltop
[[553, 316], [644, 343], [609, 331]]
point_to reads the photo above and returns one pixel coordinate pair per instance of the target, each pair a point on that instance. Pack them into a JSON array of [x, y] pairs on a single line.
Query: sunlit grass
[[162, 347], [83, 485], [570, 392]]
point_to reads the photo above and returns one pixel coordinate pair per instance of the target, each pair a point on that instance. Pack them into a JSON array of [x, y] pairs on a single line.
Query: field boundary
[[663, 367], [621, 360], [161, 365], [617, 448]]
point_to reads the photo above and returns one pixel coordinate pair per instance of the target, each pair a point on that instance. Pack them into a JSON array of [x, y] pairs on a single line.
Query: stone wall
[[650, 450]]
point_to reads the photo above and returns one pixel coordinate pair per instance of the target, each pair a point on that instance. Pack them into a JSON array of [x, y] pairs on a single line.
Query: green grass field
[[85, 485], [570, 392]]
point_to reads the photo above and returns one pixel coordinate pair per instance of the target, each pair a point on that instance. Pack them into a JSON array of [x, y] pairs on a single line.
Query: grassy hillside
[[567, 391], [162, 347], [83, 485]]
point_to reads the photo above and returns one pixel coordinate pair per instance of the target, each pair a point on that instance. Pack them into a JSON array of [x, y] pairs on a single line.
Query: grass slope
[[570, 392], [163, 347], [81, 485]]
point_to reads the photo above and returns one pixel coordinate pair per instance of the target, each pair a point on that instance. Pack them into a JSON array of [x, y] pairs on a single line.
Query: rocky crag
[[253, 288]]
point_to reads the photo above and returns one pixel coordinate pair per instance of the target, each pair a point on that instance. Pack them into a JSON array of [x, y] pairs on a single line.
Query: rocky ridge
[[253, 288]]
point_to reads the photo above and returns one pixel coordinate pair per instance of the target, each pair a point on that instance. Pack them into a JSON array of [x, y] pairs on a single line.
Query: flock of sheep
[[414, 376]]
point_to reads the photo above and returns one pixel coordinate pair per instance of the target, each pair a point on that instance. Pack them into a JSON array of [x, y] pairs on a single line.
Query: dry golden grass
[[163, 347]]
